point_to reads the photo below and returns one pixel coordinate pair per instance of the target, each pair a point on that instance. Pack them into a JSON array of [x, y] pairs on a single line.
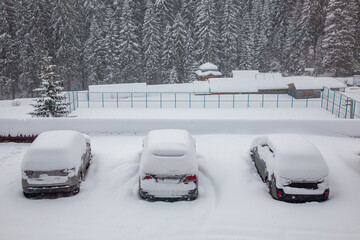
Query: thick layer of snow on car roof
[[232, 85], [168, 151], [55, 150], [296, 158]]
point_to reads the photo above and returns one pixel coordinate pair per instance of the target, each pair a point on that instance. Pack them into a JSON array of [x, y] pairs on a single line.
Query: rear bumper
[[53, 189], [190, 195], [297, 198]]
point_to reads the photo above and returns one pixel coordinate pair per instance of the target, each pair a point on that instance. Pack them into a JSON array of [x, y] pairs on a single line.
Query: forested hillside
[[164, 41]]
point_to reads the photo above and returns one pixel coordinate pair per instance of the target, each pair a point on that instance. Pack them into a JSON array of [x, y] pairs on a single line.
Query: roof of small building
[[307, 85], [268, 84], [232, 85], [207, 73], [248, 74], [208, 67]]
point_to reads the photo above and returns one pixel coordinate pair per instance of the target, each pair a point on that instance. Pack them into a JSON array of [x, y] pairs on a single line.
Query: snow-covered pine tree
[[151, 45], [245, 36], [190, 63], [178, 39], [66, 42], [229, 32], [130, 47], [207, 32], [174, 76], [51, 102], [166, 54], [339, 42]]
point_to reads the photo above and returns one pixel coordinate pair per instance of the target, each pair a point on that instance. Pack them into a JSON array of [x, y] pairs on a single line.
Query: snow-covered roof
[[168, 151], [232, 85], [180, 87], [296, 158], [201, 87], [247, 74], [207, 73], [124, 87], [55, 150], [268, 84], [331, 83], [208, 67], [305, 84], [266, 76]]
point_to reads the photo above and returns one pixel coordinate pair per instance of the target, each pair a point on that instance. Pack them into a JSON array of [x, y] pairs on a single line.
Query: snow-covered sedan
[[56, 162], [168, 168], [292, 167]]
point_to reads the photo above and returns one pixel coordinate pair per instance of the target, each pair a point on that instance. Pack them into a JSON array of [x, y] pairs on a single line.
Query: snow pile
[[55, 150], [201, 87], [208, 67], [168, 151]]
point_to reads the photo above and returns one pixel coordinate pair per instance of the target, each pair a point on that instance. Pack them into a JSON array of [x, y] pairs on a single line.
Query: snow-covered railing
[[186, 100], [339, 104]]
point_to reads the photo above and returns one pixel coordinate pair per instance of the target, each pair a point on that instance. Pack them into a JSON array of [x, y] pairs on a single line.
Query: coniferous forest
[[164, 41]]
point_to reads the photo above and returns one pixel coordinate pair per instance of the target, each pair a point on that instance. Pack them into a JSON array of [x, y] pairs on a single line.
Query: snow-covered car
[[292, 167], [168, 168], [56, 162]]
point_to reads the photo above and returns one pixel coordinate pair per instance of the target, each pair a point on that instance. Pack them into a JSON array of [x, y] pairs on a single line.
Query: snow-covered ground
[[233, 202]]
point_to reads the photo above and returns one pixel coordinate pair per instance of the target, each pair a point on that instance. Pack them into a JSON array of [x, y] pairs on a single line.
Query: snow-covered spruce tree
[[229, 31], [151, 44], [207, 32], [339, 42], [191, 65], [178, 40], [51, 102], [245, 41], [130, 48]]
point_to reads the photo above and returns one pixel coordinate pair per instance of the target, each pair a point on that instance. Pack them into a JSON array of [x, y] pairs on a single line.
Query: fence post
[[146, 99], [353, 112], [248, 100], [77, 97], [292, 99], [102, 94], [132, 100], [307, 100], [277, 100], [262, 101], [346, 109], [160, 99], [117, 99], [175, 100], [219, 100], [189, 100], [73, 93], [332, 111], [327, 101], [322, 96], [233, 100], [339, 106], [88, 99], [69, 102], [204, 99]]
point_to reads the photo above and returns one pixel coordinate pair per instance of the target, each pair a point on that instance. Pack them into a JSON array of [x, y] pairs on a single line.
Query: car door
[[260, 163]]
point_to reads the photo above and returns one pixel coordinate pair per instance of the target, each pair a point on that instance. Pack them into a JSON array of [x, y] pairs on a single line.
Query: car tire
[[29, 195], [272, 188]]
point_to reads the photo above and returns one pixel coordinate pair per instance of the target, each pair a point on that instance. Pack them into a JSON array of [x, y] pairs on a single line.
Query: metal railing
[[339, 104], [185, 100]]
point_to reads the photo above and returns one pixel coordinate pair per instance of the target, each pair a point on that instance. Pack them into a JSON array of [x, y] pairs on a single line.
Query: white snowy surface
[[55, 150], [233, 202], [245, 74], [268, 84], [304, 85], [124, 87], [232, 85], [168, 152], [295, 158], [183, 87]]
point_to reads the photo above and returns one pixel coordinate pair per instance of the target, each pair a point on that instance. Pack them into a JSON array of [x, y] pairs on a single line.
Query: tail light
[[326, 194], [147, 177], [190, 178], [29, 173], [279, 193]]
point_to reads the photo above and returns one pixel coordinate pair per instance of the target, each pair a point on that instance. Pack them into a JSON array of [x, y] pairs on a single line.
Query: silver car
[[56, 162]]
